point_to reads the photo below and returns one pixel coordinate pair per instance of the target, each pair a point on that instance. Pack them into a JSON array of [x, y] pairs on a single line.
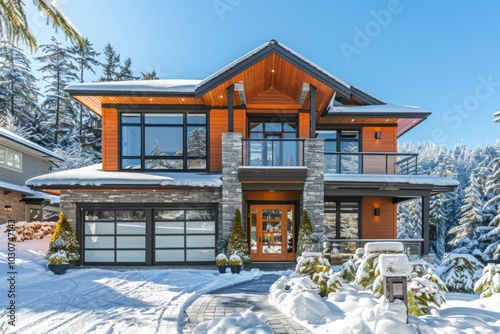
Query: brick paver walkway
[[247, 296]]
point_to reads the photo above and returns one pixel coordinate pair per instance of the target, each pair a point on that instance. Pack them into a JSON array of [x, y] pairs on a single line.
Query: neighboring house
[[20, 160], [270, 134]]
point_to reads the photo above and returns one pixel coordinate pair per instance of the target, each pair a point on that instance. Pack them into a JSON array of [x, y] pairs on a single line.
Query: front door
[[272, 230]]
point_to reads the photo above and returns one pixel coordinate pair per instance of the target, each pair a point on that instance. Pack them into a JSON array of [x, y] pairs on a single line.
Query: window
[[342, 220], [173, 141], [341, 148], [10, 158]]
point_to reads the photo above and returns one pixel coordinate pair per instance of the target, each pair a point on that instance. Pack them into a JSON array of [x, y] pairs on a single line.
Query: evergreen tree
[[64, 232], [238, 243], [58, 71], [304, 241], [496, 117], [149, 76], [111, 65], [126, 71], [492, 252]]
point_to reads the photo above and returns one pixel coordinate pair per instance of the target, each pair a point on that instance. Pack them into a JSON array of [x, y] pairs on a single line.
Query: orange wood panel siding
[[304, 125], [109, 139], [218, 125], [377, 164], [272, 195], [239, 118], [382, 227]]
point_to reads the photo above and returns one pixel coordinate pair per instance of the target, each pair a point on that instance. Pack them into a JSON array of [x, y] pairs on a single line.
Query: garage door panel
[[173, 227], [200, 240], [131, 228], [200, 227], [99, 255], [167, 241], [100, 228], [169, 255], [200, 255], [99, 242], [130, 256], [131, 242]]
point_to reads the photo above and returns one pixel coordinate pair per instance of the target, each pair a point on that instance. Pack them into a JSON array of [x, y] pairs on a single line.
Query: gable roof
[[29, 145]]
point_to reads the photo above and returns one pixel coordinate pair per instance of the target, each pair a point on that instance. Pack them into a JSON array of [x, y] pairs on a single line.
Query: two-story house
[[270, 134], [20, 160]]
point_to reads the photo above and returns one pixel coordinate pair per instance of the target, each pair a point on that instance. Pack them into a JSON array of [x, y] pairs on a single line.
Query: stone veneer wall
[[18, 208], [313, 196], [194, 198], [231, 186]]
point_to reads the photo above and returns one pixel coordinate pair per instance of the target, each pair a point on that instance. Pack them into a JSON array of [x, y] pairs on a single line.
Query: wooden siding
[[31, 167], [382, 227], [272, 99], [110, 139], [379, 164], [304, 125], [218, 125]]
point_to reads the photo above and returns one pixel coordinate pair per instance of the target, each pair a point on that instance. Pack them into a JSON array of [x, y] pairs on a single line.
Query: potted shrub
[[63, 247], [235, 262], [58, 259], [238, 243], [221, 262]]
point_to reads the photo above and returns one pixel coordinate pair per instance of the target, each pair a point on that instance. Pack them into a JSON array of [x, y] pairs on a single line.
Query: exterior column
[[230, 108], [425, 224], [314, 187], [232, 198], [313, 112]]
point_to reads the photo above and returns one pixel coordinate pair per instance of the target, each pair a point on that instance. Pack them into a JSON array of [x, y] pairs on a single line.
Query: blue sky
[[443, 56]]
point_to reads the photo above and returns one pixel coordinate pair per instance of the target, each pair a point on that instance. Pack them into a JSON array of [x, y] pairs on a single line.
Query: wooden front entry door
[[272, 229]]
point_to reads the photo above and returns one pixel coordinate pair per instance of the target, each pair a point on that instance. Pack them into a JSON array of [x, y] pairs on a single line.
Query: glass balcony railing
[[371, 163], [273, 152]]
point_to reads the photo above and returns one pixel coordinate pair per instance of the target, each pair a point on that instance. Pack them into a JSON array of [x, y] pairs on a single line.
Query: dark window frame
[[338, 146], [338, 212]]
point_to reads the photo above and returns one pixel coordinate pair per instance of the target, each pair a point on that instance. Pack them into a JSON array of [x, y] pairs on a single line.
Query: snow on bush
[[384, 247], [421, 293], [247, 322], [307, 265], [327, 282], [459, 272], [489, 283], [367, 271], [350, 267], [33, 231]]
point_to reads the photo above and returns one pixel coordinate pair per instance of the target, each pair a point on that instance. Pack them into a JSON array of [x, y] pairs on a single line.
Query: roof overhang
[[272, 178], [8, 187]]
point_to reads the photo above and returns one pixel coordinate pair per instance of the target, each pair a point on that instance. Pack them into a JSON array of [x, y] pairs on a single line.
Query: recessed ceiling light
[[352, 120], [387, 120], [272, 70], [221, 96], [150, 99], [182, 100]]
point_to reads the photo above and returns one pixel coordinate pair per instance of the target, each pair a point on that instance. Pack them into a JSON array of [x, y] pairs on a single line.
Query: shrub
[[421, 293], [459, 271], [238, 243], [489, 283], [308, 265], [350, 267], [235, 260], [221, 260], [33, 231], [304, 241], [327, 282], [64, 232]]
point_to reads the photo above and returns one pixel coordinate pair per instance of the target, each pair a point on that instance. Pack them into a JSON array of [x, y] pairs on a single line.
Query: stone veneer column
[[232, 198], [313, 196]]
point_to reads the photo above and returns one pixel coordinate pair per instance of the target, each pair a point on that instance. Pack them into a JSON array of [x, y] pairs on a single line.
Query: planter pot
[[58, 269], [222, 269], [235, 269]]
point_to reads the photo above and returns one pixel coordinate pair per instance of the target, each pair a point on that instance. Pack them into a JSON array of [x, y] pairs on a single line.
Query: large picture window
[[173, 141], [342, 219], [341, 151]]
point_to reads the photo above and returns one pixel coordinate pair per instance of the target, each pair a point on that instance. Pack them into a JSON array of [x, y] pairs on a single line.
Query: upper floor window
[[173, 141], [11, 158], [341, 151]]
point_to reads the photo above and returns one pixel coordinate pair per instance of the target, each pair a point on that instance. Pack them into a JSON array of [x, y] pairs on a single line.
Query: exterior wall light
[[7, 208], [376, 212], [378, 135]]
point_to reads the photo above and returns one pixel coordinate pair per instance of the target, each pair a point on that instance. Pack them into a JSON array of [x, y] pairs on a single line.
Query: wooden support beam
[[230, 108], [425, 225], [313, 112]]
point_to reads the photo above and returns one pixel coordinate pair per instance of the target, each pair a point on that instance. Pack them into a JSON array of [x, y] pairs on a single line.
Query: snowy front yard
[[153, 301]]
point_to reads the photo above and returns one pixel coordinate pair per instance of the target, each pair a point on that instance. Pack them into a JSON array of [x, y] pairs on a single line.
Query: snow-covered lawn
[[153, 301]]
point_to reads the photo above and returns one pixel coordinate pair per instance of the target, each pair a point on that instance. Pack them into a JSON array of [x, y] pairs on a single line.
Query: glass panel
[[2, 155], [350, 164], [200, 215], [330, 220], [200, 255], [330, 146], [131, 215], [99, 228], [200, 241], [253, 219], [164, 141], [130, 256], [131, 140], [290, 127], [99, 242], [289, 231], [331, 162], [349, 225], [196, 141], [354, 134], [271, 214], [99, 215], [99, 256], [256, 127], [197, 164], [256, 136], [163, 119], [131, 163], [129, 118], [169, 227], [130, 242], [349, 146], [169, 215], [50, 216], [202, 227], [163, 164], [326, 134], [196, 119], [169, 241], [271, 238], [271, 226], [271, 249], [273, 127], [130, 228], [290, 151], [169, 255]]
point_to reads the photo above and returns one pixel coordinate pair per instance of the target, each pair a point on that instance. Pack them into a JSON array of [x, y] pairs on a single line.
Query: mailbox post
[[395, 269]]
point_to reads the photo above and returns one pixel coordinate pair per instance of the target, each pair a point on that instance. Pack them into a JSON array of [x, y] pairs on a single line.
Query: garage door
[[148, 236]]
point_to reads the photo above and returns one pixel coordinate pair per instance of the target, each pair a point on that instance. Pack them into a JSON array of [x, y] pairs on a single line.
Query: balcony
[[273, 152], [371, 163]]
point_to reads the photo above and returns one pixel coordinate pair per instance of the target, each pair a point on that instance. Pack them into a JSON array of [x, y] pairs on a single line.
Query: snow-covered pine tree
[[304, 241], [58, 71], [466, 233], [126, 71], [238, 243], [496, 117], [150, 75], [492, 252], [197, 147], [111, 65], [18, 90]]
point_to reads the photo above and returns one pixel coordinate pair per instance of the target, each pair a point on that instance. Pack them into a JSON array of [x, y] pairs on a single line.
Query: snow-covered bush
[[235, 260], [489, 283], [367, 271], [238, 241], [58, 257], [221, 260], [458, 271], [327, 282], [307, 265], [421, 293], [350, 267], [64, 232], [304, 241], [24, 231]]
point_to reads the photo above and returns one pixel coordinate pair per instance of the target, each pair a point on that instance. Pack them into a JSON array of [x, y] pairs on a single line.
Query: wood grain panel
[[218, 125], [382, 227], [272, 195], [240, 121], [110, 139], [304, 125], [379, 164]]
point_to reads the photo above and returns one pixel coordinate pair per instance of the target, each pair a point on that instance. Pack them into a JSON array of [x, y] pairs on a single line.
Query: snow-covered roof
[[388, 108], [52, 199], [378, 247], [136, 86], [94, 176], [393, 179], [23, 190], [394, 265], [28, 144]]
